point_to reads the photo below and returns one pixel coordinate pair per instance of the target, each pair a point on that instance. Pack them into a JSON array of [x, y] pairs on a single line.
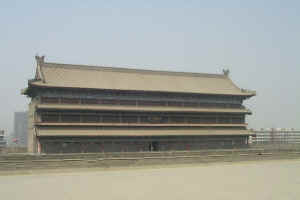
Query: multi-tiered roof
[[125, 79]]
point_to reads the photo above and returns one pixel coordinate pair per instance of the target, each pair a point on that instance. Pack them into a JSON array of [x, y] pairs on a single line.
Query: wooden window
[[128, 102], [224, 120], [234, 105], [209, 120], [110, 119], [129, 119], [193, 120], [176, 119], [70, 100], [110, 102], [70, 118], [89, 118], [152, 103], [237, 120], [220, 105], [49, 99], [190, 104], [50, 118], [144, 119], [205, 105], [89, 101], [175, 103]]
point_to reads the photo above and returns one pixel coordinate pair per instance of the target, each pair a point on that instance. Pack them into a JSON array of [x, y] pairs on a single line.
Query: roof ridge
[[132, 70]]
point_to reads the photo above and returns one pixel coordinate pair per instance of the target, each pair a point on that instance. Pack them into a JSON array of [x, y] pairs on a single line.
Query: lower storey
[[138, 144]]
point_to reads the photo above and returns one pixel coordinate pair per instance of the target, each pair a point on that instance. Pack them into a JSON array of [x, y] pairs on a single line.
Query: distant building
[[276, 136], [19, 136], [9, 139], [2, 140]]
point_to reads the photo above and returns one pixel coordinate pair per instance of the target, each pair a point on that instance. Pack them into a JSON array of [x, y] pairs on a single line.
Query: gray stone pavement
[[266, 180]]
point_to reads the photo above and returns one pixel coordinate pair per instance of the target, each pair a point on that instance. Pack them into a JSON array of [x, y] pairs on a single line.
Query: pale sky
[[257, 40]]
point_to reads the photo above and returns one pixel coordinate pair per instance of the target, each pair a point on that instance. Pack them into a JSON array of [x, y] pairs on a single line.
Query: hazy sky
[[257, 40]]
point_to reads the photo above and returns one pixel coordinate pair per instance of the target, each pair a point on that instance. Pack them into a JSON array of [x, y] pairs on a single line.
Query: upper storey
[[108, 78]]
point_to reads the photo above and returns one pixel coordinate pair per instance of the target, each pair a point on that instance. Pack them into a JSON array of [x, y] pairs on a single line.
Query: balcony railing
[[139, 103], [139, 119]]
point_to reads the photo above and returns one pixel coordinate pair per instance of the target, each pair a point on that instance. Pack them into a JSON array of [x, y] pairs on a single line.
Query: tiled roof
[[91, 77]]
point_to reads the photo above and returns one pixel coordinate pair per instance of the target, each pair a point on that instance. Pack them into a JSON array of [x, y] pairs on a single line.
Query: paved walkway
[[265, 180]]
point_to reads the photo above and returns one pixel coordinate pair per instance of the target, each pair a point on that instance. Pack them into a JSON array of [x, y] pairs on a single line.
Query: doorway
[[153, 146]]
